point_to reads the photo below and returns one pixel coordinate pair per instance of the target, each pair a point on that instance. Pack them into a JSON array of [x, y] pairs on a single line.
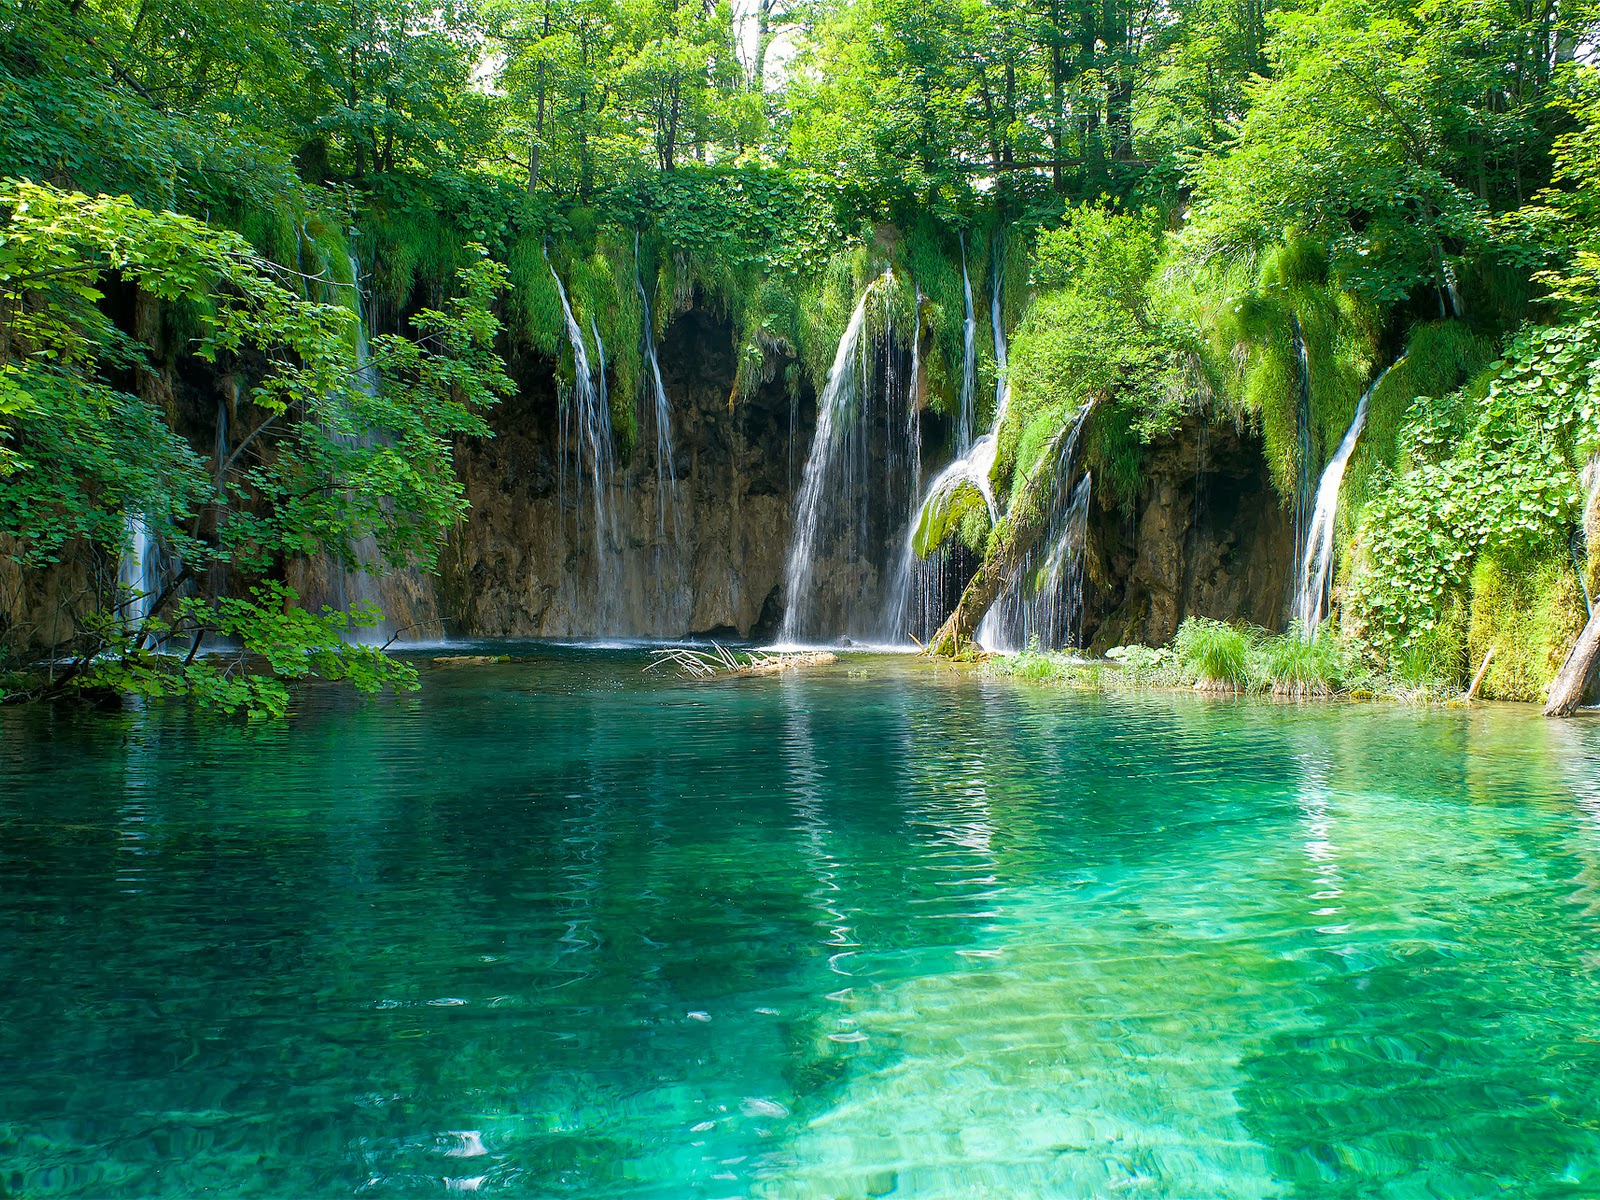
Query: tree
[[1394, 135], [90, 446]]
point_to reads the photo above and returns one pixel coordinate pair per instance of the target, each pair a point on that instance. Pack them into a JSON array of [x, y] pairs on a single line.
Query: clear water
[[560, 929]]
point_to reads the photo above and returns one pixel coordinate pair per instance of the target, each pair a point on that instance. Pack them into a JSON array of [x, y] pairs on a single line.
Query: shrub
[[1142, 663]]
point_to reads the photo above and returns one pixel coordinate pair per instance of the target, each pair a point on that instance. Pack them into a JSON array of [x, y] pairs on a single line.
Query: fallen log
[[1021, 527], [721, 663], [1577, 673], [1477, 680]]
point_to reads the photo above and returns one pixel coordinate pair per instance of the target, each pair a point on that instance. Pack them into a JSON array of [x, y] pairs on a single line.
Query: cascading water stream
[[973, 467], [138, 572], [1002, 365], [838, 396], [903, 582], [1040, 602], [586, 418], [1311, 597], [855, 492], [1303, 495], [666, 467], [1041, 606], [602, 396], [967, 418], [358, 585]]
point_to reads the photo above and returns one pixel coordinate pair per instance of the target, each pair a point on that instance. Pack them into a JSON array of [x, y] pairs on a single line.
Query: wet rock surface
[[704, 555], [1208, 537]]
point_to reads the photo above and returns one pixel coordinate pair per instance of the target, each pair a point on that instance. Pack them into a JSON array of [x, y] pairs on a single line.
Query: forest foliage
[[1215, 210]]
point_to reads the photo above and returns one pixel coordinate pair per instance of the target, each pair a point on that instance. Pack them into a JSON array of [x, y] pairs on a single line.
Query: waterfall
[[969, 362], [602, 397], [1452, 287], [138, 572], [358, 585], [976, 464], [666, 467], [586, 420], [1039, 608], [1040, 602], [404, 595], [1303, 450], [902, 582], [974, 467], [1002, 366], [1317, 557], [854, 494], [922, 582]]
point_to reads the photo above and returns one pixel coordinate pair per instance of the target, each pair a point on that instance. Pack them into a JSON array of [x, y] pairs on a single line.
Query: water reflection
[[557, 930]]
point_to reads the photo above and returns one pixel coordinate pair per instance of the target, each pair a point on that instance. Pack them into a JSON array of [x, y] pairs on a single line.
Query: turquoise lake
[[558, 928]]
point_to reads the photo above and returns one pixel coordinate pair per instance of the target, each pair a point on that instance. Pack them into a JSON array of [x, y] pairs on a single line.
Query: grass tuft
[[1300, 665], [1217, 655]]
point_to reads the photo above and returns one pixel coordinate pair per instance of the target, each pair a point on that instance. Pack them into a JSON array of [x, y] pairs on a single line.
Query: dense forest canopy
[[1184, 206]]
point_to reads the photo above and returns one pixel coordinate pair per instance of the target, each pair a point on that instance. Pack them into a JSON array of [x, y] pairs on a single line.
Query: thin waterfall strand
[[589, 425], [855, 489], [966, 419], [1303, 451], [1042, 607], [1040, 602], [358, 585], [1002, 366], [902, 583], [666, 466], [1317, 557], [138, 572]]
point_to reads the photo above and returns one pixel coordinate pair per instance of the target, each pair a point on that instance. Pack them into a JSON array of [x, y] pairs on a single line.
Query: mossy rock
[[1531, 613]]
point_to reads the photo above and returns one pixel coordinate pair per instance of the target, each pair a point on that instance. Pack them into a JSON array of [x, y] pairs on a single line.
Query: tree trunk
[[1566, 693], [763, 40], [1028, 516], [1578, 672]]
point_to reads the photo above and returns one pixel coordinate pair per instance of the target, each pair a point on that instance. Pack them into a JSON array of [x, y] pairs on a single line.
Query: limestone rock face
[[1208, 537], [702, 555]]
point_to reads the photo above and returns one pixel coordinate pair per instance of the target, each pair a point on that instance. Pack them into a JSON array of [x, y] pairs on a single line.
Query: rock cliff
[[1207, 537], [704, 555]]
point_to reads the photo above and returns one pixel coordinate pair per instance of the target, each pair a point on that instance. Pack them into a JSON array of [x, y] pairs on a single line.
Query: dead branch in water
[[695, 663]]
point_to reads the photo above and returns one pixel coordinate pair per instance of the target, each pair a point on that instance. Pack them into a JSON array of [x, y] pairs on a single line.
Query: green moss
[[936, 269], [1243, 315], [274, 232], [825, 314], [410, 251], [534, 315], [1531, 614], [943, 515], [1298, 261], [977, 532], [1439, 357]]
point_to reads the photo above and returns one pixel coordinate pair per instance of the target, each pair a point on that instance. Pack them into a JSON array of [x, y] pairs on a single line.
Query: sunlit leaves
[[324, 451]]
